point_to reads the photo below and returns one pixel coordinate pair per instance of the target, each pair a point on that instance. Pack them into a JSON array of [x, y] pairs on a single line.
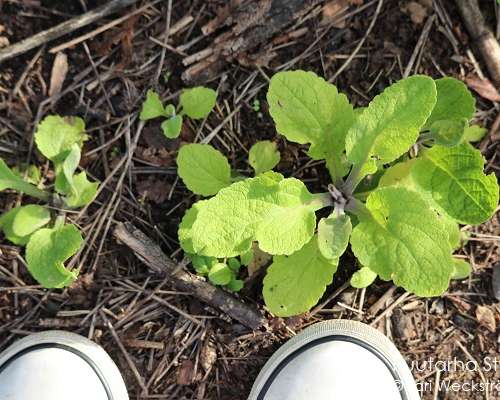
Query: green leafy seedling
[[399, 211], [49, 242], [263, 156], [195, 103]]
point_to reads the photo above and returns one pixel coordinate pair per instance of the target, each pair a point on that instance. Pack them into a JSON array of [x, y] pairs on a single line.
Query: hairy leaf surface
[[295, 283], [404, 240], [203, 169], [333, 235]]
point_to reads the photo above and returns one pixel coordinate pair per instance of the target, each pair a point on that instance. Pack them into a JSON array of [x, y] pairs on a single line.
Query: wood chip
[[486, 318], [58, 75], [483, 87], [416, 11], [208, 355], [332, 13]]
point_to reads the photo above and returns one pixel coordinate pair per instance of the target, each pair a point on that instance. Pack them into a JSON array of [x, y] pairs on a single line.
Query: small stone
[[495, 282]]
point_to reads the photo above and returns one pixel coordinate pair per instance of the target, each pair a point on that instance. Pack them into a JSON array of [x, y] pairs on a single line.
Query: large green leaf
[[448, 132], [454, 101], [203, 169], [295, 283], [197, 102], [403, 240], [390, 125], [56, 135], [454, 178], [46, 252], [333, 235], [263, 156], [184, 233], [277, 212], [307, 109], [19, 223]]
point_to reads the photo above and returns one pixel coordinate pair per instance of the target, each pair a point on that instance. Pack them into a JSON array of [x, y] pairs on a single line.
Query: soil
[[214, 357]]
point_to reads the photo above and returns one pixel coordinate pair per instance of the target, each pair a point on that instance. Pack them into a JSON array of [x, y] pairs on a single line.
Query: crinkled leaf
[[295, 283], [454, 178], [277, 212], [203, 169], [172, 127], [197, 102], [56, 135], [333, 235], [474, 133], [46, 252], [83, 191], [390, 124], [184, 233], [454, 101], [461, 269], [152, 107], [263, 156], [19, 223], [403, 240], [362, 278], [220, 274], [448, 132], [307, 109]]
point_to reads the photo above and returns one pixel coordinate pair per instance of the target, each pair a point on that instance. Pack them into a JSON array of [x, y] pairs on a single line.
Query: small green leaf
[[235, 285], [362, 278], [83, 191], [66, 169], [203, 169], [247, 258], [220, 274], [46, 252], [202, 264], [461, 269], [19, 223], [454, 101], [391, 123], [29, 173], [234, 265], [263, 156], [279, 213], [295, 283], [152, 107], [333, 235], [454, 178], [169, 110], [172, 126], [474, 133], [403, 240], [9, 180], [198, 102], [55, 136], [448, 132], [184, 233]]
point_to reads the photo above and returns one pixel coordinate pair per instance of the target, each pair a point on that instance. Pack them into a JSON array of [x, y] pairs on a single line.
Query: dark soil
[[217, 358]]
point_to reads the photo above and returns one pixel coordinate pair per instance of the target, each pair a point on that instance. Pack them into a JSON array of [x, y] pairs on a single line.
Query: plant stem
[[352, 180], [357, 208], [32, 190], [322, 200]]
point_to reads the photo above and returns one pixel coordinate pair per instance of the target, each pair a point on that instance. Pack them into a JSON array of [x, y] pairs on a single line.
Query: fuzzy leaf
[[46, 252], [307, 109], [277, 212], [220, 274], [333, 235], [184, 233], [263, 156], [362, 278], [83, 191], [203, 169], [390, 124], [454, 101], [448, 132], [404, 240], [461, 269], [152, 107], [56, 135], [454, 178], [198, 102], [295, 283], [19, 223], [172, 127]]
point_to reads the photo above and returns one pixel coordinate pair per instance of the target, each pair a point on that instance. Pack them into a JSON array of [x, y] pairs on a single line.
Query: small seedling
[[49, 241], [399, 210], [196, 103]]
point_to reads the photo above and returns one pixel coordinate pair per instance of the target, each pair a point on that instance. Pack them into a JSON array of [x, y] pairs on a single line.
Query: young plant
[[399, 210], [196, 103], [49, 241]]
